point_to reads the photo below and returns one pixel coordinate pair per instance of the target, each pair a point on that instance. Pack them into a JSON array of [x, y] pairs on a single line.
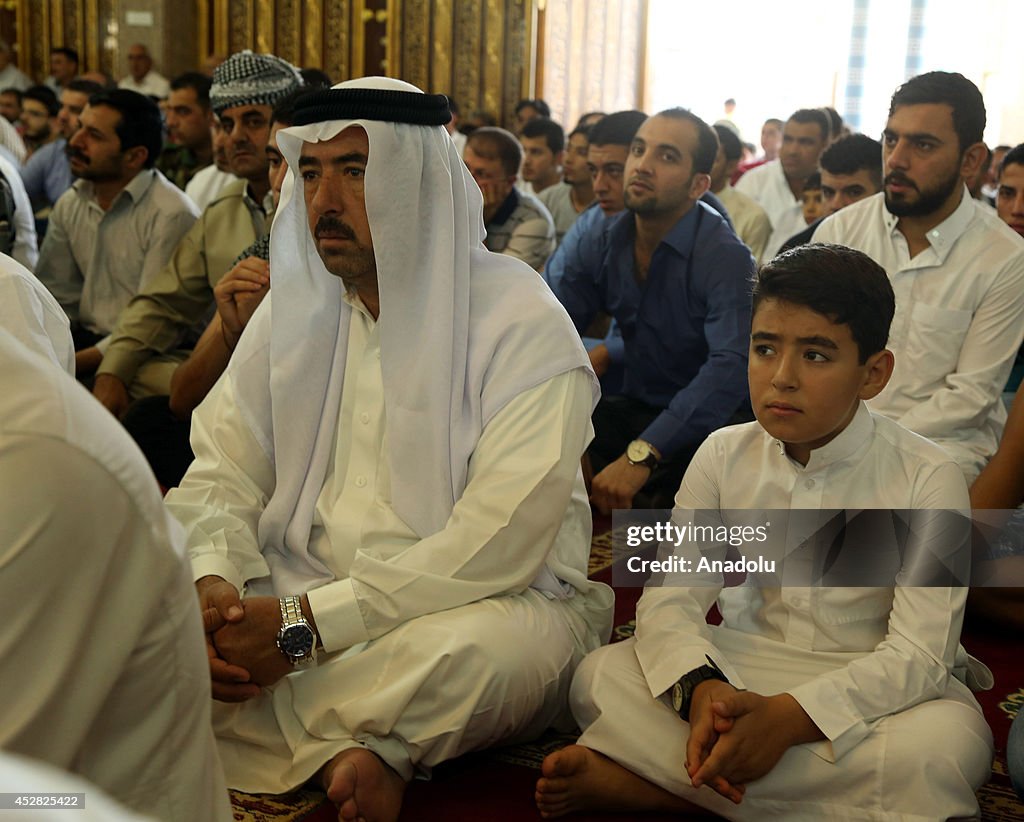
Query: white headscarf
[[462, 331]]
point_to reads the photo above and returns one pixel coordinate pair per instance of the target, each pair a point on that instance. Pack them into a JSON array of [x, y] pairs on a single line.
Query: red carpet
[[497, 786]]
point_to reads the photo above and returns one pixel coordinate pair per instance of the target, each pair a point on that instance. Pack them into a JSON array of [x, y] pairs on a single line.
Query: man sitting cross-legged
[[397, 554], [853, 708]]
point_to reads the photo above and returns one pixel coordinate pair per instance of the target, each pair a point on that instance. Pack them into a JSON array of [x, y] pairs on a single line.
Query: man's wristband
[[682, 691]]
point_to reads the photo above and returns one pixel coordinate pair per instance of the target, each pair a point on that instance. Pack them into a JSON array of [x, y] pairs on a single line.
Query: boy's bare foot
[[580, 779], [363, 787]]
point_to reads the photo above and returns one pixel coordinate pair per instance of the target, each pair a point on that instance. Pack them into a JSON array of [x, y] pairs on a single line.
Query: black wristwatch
[[682, 691]]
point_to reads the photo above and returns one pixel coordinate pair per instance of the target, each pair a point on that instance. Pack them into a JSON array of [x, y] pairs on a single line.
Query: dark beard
[[928, 202]]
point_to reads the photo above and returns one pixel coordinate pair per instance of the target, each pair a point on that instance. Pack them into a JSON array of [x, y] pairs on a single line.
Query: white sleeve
[[915, 660], [499, 535], [672, 635]]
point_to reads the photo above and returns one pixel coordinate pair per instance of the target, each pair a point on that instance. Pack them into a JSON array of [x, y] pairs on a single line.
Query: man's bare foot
[[580, 779], [363, 787]]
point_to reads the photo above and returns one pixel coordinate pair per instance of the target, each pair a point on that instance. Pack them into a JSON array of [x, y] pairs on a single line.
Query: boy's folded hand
[[762, 730], [706, 728]]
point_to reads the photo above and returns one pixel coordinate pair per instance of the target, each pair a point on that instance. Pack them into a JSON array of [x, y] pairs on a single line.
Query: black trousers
[[618, 421], [162, 437]]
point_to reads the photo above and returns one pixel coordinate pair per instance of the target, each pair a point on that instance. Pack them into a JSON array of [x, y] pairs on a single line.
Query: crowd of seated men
[[877, 364]]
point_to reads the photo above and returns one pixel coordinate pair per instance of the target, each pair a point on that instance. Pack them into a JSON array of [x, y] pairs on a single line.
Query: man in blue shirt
[[676, 279]]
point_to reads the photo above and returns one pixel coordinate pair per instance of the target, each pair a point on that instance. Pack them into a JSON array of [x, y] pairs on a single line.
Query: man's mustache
[[899, 179], [75, 153], [334, 228]]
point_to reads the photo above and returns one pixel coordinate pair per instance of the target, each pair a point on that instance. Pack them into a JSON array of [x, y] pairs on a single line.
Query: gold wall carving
[[479, 51]]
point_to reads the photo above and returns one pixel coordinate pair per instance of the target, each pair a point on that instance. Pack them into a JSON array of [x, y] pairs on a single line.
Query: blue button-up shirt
[[684, 332]]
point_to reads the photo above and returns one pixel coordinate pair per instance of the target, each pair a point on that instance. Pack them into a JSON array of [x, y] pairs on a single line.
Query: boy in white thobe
[[851, 708]]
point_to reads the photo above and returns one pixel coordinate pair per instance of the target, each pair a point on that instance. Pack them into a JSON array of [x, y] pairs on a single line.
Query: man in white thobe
[[101, 649], [393, 452]]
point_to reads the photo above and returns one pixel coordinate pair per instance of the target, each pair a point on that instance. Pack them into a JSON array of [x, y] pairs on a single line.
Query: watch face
[[296, 641], [677, 697], [637, 451]]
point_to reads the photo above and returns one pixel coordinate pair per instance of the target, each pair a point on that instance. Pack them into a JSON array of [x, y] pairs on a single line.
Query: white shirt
[[95, 261], [892, 647], [26, 249], [19, 774], [29, 312], [958, 325], [207, 184], [11, 140], [767, 184], [101, 648], [154, 84], [13, 77], [510, 529]]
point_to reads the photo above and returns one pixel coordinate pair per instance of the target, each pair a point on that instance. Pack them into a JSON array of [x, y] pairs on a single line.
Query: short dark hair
[[1015, 156], [84, 87], [198, 82], [951, 89], [491, 142], [284, 109], [707, 141], [453, 106], [584, 130], [139, 124], [617, 129], [816, 116], [12, 90], [553, 134], [315, 78], [590, 115], [840, 283], [45, 96], [813, 183], [70, 53], [773, 121], [484, 117], [729, 141], [835, 121], [850, 154], [542, 108]]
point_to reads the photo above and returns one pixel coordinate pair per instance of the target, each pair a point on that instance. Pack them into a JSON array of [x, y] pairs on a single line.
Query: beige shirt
[[94, 261]]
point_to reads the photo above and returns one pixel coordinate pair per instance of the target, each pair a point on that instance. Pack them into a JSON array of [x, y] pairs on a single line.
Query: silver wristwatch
[[296, 639]]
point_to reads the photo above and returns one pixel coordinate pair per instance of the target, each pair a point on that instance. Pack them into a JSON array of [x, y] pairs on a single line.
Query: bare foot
[[580, 779], [363, 787]]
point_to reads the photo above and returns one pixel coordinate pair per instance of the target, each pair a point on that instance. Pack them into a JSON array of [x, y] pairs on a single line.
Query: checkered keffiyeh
[[249, 79]]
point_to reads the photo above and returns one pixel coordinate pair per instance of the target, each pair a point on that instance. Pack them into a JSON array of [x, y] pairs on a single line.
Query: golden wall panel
[[336, 41], [264, 27], [466, 37], [94, 44], [479, 51], [240, 26], [56, 17], [441, 48], [312, 13], [493, 52], [416, 18]]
